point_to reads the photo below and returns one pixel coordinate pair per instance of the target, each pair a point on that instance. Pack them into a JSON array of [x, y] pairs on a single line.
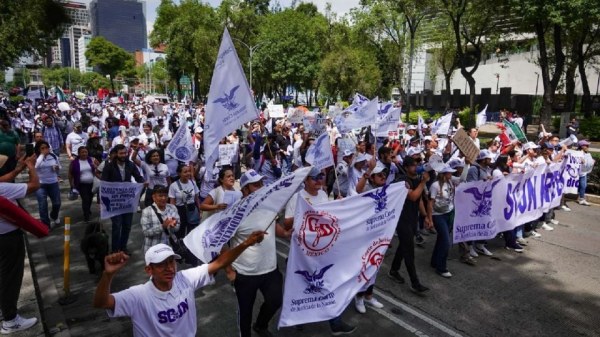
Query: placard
[[276, 111], [295, 115], [466, 145], [228, 154]]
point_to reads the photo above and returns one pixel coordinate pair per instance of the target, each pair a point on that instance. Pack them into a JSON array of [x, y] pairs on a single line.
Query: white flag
[[389, 122], [364, 115], [181, 146], [336, 251], [481, 117], [420, 124], [319, 153], [441, 126], [119, 198], [206, 240], [230, 101]]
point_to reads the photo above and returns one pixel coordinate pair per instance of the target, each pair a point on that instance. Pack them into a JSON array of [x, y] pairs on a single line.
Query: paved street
[[551, 289]]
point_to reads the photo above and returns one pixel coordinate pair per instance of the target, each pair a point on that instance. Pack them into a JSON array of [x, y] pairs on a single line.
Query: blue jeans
[[439, 257], [42, 194], [582, 186], [121, 226]]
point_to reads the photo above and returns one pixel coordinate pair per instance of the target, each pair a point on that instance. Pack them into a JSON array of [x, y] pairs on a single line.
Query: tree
[[29, 26], [94, 81], [64, 77], [109, 58], [444, 53], [475, 27]]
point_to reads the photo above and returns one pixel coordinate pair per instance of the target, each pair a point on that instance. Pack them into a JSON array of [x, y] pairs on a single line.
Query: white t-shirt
[[290, 208], [163, 313], [258, 259], [224, 196], [156, 174], [86, 175], [185, 194], [11, 192], [443, 197], [76, 140]]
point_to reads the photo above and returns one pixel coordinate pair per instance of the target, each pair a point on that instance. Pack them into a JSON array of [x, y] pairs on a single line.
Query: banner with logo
[[486, 208], [573, 160], [181, 146], [389, 122], [295, 115], [119, 198], [336, 251], [319, 154], [206, 240], [441, 126], [230, 103]]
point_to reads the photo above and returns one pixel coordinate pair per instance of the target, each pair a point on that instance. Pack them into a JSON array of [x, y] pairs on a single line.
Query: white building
[[82, 43]]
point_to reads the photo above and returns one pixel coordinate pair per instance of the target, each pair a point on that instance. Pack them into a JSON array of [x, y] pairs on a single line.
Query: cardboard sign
[[466, 145]]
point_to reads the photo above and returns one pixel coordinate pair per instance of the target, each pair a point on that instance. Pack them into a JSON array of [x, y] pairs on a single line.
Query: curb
[[591, 198]]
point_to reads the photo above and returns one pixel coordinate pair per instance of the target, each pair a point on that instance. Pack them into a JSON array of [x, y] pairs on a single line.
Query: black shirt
[[410, 211]]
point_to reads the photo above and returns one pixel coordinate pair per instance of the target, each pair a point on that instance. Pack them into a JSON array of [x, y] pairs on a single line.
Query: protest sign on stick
[[466, 145]]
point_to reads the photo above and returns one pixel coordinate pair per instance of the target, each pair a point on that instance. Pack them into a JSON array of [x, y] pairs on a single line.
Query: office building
[[122, 22], [82, 43]]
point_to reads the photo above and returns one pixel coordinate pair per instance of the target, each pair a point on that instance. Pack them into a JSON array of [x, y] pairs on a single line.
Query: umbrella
[[64, 106]]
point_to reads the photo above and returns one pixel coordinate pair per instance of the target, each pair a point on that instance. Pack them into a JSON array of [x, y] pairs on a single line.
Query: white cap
[[158, 253], [166, 137], [379, 167], [360, 157], [454, 163], [122, 128], [249, 177], [347, 153], [413, 151], [485, 154], [530, 146], [412, 127], [447, 169], [198, 129], [95, 119]]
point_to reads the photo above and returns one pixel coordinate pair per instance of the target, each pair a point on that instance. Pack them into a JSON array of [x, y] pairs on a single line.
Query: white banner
[[230, 103], [441, 126], [314, 123], [119, 198], [276, 111], [228, 154], [485, 208], [364, 115], [181, 146], [206, 240], [319, 154], [336, 251], [345, 144], [573, 160], [389, 122]]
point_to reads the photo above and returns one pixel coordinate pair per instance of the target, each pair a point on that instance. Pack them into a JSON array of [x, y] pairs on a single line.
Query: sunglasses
[[319, 176]]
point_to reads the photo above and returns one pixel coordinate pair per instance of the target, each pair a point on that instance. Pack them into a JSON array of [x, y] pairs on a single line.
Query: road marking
[[434, 323]]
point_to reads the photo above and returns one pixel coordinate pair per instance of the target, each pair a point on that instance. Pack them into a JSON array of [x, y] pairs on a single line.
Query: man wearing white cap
[[355, 172], [165, 305]]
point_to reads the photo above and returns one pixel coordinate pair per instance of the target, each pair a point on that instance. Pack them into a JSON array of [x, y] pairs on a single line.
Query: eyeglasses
[[319, 176]]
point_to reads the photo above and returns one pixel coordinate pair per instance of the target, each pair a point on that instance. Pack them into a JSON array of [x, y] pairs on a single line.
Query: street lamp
[[251, 49]]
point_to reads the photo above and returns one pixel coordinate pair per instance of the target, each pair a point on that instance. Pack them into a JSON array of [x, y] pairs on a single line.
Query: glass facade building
[[122, 22]]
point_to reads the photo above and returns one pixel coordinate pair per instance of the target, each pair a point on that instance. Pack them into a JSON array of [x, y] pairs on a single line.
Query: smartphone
[[28, 150]]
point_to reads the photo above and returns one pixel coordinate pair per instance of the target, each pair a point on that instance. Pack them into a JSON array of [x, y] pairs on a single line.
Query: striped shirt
[[152, 227]]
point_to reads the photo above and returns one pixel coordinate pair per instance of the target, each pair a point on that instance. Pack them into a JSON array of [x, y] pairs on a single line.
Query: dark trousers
[[443, 241], [121, 226], [85, 192], [406, 251], [271, 287], [12, 263]]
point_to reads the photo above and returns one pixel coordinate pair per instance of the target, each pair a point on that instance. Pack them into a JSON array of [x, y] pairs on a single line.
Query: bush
[[414, 116], [590, 128], [16, 99], [466, 119]]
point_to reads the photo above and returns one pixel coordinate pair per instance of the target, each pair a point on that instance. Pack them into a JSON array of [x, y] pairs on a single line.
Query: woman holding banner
[[223, 196], [441, 213]]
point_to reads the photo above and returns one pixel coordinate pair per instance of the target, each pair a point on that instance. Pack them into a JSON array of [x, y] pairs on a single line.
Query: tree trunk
[[570, 85], [196, 84], [411, 56], [586, 103], [448, 78], [548, 84]]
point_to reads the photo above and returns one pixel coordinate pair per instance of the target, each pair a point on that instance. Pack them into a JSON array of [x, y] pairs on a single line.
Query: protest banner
[[119, 198], [295, 115], [343, 145], [388, 122], [572, 161], [315, 124], [486, 208], [276, 111], [336, 251], [228, 154], [230, 102], [358, 117], [206, 240], [319, 154], [464, 143], [181, 146]]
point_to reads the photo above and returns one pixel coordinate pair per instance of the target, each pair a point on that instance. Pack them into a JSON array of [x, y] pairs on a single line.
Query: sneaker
[[468, 260], [395, 275], [419, 239], [480, 249], [445, 274], [583, 202], [418, 288], [55, 222], [359, 304], [554, 222], [547, 227], [516, 247], [262, 332], [535, 234], [17, 324], [522, 241], [565, 208], [341, 328], [472, 252], [373, 302]]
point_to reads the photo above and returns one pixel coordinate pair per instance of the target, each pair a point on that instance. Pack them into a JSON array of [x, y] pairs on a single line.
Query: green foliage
[[590, 128], [109, 58], [62, 77], [345, 71], [466, 118], [16, 99], [29, 26], [413, 118]]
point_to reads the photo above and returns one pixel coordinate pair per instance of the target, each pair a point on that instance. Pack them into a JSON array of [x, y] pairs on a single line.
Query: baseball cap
[[158, 253], [447, 169], [347, 153], [484, 154], [95, 119], [249, 177], [413, 151], [379, 167], [360, 157], [122, 128], [454, 163], [313, 172], [412, 127], [580, 144], [77, 124], [198, 129], [530, 146]]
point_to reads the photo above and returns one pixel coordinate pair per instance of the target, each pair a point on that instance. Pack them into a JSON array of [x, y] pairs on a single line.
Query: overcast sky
[[338, 6]]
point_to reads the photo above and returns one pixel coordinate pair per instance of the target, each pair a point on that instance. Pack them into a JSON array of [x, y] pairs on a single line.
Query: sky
[[338, 6]]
